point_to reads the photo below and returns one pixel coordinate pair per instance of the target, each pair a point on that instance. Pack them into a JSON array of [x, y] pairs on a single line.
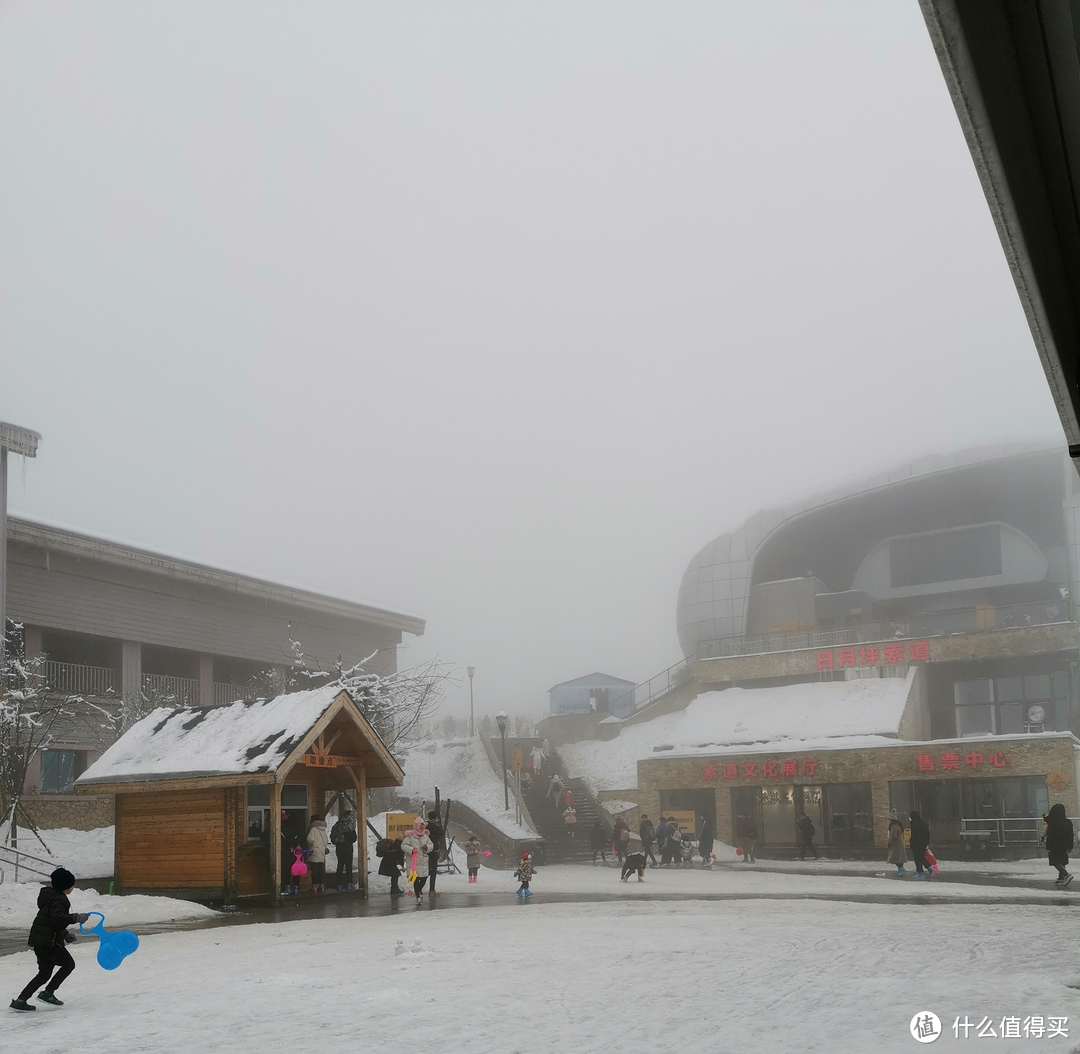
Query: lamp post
[[500, 717], [472, 670]]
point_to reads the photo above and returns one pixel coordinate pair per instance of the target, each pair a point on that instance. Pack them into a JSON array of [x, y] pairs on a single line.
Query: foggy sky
[[492, 313]]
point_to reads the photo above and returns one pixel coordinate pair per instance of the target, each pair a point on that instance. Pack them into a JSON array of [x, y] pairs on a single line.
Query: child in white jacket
[[416, 845]]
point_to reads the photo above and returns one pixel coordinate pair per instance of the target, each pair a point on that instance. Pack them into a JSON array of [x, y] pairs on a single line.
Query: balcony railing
[[227, 693], [1005, 830], [183, 691], [75, 679], [930, 624]]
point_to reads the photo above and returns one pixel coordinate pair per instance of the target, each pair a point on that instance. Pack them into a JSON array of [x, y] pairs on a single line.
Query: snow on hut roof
[[236, 739], [739, 718]]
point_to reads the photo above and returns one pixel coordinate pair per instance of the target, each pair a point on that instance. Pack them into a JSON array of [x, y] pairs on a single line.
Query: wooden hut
[[200, 792]]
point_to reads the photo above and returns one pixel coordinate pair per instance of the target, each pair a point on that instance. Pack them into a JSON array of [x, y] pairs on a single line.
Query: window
[[848, 814], [945, 556], [778, 815], [1012, 705], [60, 769], [293, 804]]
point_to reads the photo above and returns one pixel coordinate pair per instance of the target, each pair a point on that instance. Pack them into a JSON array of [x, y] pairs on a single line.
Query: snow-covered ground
[[18, 906], [534, 977], [461, 770]]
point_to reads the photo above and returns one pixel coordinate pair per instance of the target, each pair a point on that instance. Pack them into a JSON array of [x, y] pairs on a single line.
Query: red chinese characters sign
[[767, 769], [873, 655], [958, 761]]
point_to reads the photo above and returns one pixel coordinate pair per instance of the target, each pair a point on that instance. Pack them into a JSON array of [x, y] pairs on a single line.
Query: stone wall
[[1028, 756], [80, 813]]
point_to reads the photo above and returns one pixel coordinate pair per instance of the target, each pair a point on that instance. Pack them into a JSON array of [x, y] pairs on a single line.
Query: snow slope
[[536, 978], [461, 770], [718, 722], [18, 906], [86, 854]]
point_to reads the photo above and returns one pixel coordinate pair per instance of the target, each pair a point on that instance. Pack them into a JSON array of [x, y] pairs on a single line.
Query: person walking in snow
[[317, 842], [647, 834], [343, 837], [473, 849], [556, 790], [416, 845], [806, 829], [392, 865], [1058, 837], [674, 843], [662, 829], [524, 874], [569, 817], [620, 837], [705, 842], [437, 834], [746, 831], [897, 849], [538, 761], [48, 935], [920, 842], [598, 842]]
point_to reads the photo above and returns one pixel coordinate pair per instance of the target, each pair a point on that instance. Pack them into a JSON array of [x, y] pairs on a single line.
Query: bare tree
[[30, 717]]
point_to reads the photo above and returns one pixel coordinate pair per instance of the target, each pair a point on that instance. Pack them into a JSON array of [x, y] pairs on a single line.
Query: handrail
[[926, 624], [641, 695], [17, 853], [1008, 830]]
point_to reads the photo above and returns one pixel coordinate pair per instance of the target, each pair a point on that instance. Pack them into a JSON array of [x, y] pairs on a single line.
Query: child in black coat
[[633, 862], [48, 935]]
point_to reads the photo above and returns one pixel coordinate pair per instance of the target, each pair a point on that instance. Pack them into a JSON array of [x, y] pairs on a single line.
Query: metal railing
[[227, 693], [641, 695], [17, 859], [80, 680], [184, 690], [929, 624], [1005, 830]]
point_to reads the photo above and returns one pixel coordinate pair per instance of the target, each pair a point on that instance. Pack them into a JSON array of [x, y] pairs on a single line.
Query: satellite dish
[[1036, 715]]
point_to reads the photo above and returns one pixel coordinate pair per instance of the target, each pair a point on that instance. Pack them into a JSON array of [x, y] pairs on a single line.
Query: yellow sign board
[[322, 761], [397, 823], [686, 820], [1058, 780]]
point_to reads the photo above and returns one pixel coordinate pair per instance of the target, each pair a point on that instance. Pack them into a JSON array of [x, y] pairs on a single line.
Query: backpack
[[383, 846]]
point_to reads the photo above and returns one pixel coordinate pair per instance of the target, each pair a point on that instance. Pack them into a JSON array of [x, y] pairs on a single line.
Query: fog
[[490, 313]]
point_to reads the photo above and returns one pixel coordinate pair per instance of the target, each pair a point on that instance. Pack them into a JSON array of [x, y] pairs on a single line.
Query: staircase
[[559, 847]]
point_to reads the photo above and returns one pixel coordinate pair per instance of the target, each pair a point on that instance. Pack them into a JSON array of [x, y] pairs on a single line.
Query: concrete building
[[114, 621], [595, 693]]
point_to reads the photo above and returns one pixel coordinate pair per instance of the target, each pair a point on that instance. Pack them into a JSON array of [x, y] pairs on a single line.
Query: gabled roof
[[593, 680], [258, 739]]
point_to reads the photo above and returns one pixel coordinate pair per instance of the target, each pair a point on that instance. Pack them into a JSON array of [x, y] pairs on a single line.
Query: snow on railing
[[77, 679], [184, 690]]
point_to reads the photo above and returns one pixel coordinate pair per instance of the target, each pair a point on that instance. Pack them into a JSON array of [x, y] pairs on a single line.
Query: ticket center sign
[[863, 655], [397, 823]]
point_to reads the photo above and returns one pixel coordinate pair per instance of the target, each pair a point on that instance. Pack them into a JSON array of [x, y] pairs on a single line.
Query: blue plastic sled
[[113, 948]]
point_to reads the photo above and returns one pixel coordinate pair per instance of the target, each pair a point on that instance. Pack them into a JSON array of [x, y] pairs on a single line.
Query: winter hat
[[62, 879], [524, 854], [892, 815], [419, 827]]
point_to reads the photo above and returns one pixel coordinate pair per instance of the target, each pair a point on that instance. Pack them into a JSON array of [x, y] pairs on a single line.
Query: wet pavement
[[380, 904]]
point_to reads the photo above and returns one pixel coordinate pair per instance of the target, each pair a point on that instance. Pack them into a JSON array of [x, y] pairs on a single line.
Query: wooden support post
[[275, 839], [361, 829]]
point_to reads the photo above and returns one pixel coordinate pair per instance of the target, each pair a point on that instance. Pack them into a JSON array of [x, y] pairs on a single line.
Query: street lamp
[[500, 717], [472, 670]]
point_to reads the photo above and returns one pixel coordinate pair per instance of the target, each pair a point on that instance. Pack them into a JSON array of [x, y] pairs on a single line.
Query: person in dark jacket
[[647, 833], [343, 835], [437, 834], [392, 865], [599, 843], [705, 842], [806, 829], [1058, 837], [920, 842], [48, 935]]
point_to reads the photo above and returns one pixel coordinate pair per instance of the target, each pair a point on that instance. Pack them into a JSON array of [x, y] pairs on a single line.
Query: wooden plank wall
[[170, 841]]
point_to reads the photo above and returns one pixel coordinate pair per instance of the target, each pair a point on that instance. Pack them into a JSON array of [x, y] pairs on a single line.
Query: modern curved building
[[988, 528]]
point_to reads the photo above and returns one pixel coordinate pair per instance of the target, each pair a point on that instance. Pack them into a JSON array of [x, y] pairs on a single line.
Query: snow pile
[[778, 718], [18, 906], [86, 854], [242, 737], [616, 807], [462, 772]]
